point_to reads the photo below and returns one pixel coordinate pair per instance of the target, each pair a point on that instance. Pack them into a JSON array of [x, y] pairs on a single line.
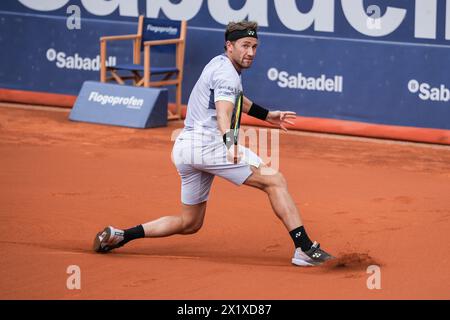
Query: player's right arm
[[224, 111], [225, 86]]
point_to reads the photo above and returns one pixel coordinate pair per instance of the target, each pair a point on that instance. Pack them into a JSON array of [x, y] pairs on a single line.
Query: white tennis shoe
[[312, 257], [108, 239]]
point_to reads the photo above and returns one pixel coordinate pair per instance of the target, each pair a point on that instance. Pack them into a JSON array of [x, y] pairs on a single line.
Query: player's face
[[243, 52]]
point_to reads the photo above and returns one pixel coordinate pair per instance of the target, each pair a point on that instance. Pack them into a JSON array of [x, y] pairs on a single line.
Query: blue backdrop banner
[[377, 61]]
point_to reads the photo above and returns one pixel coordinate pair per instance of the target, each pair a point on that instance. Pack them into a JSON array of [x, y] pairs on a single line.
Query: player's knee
[[192, 226], [281, 181], [276, 181], [192, 229]]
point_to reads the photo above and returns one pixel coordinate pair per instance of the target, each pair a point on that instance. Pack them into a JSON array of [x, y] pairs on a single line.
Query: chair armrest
[[124, 37], [162, 42]]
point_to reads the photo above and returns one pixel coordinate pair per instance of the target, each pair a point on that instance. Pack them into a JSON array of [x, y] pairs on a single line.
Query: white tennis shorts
[[198, 160]]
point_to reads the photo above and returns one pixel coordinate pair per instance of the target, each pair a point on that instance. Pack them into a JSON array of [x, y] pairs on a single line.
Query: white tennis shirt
[[219, 81]]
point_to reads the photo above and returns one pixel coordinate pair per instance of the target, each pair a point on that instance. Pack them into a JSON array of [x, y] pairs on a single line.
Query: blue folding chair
[[161, 35]]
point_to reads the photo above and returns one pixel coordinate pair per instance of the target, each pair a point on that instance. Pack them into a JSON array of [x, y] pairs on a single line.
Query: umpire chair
[[151, 33]]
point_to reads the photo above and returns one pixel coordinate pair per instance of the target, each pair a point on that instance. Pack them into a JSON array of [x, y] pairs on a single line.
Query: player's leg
[[274, 185], [248, 171], [188, 222], [195, 187]]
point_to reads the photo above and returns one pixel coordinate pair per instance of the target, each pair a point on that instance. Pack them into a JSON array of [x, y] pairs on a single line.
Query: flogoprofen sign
[[321, 15], [121, 105]]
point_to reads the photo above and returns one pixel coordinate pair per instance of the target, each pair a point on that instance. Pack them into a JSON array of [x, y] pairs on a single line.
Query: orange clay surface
[[370, 202]]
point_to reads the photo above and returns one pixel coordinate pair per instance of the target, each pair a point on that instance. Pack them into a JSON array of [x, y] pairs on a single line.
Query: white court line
[[359, 139], [62, 252], [367, 139], [33, 107], [291, 132]]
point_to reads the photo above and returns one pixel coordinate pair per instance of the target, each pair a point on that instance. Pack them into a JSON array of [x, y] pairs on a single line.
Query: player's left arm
[[277, 118], [246, 105]]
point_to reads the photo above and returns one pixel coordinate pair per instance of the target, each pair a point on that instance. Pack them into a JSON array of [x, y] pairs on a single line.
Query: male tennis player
[[207, 148]]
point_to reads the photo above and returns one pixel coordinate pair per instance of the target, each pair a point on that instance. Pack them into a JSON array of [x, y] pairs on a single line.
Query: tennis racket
[[236, 119]]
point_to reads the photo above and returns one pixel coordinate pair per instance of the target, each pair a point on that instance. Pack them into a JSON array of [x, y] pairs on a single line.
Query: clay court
[[370, 202]]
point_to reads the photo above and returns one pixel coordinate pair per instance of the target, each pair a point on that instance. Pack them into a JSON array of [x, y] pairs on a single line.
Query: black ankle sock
[[133, 233], [300, 238]]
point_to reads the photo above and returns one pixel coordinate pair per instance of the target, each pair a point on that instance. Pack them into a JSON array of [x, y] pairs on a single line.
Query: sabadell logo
[[76, 62], [426, 92], [300, 81]]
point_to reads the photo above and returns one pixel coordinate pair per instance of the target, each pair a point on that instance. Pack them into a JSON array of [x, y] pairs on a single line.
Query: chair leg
[[116, 77], [140, 83], [178, 100], [102, 61], [137, 78]]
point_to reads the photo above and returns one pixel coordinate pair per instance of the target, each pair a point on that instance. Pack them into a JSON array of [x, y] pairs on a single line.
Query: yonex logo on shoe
[[316, 255], [298, 234]]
